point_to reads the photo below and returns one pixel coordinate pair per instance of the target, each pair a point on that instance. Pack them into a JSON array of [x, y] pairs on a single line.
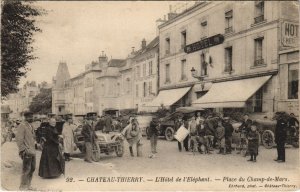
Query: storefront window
[[293, 82]]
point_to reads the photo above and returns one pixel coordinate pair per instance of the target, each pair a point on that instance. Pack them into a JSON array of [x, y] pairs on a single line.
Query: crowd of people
[[205, 134]]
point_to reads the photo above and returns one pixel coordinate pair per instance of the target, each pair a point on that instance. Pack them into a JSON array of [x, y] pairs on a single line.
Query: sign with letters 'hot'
[[289, 34], [205, 43]]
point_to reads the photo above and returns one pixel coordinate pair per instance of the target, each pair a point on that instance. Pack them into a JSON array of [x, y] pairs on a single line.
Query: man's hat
[[91, 116], [28, 113], [254, 123], [69, 116]]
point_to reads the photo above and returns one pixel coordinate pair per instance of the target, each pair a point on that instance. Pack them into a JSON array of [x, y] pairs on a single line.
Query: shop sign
[[205, 43], [289, 34]]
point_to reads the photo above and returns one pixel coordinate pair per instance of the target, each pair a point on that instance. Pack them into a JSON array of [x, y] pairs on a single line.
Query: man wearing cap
[[89, 135], [68, 136], [26, 144]]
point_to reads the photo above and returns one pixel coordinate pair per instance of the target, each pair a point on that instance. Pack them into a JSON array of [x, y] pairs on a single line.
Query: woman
[[253, 139], [133, 135], [52, 163]]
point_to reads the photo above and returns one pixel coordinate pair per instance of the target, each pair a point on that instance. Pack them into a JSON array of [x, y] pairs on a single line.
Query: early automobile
[[106, 143], [167, 124]]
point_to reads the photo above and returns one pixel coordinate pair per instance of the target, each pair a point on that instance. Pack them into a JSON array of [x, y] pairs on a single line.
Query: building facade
[[222, 55], [146, 75]]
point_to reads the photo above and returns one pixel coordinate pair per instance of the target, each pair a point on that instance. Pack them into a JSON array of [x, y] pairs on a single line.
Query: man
[[89, 137], [26, 144], [293, 124], [68, 136], [244, 130], [280, 135], [153, 133], [228, 134], [107, 124]]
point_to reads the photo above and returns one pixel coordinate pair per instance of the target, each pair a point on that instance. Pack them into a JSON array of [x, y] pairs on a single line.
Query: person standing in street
[[26, 145], [68, 137], [52, 163], [89, 135], [220, 134], [153, 134], [244, 130], [280, 135], [253, 139], [108, 124], [228, 134]]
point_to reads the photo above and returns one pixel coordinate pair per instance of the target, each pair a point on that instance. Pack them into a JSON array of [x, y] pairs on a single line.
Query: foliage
[[42, 102], [18, 26]]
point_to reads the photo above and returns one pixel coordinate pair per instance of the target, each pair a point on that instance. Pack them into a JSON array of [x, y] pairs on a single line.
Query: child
[[220, 134], [253, 138]]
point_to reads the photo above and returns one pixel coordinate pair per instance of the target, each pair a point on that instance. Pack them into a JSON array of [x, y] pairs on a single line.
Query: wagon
[[106, 143]]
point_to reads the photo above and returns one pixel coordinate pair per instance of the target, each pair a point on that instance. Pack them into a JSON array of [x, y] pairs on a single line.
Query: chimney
[[158, 23], [144, 43], [102, 60]]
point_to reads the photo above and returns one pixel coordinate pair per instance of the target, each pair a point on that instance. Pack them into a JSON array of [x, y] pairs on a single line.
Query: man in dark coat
[[26, 144], [153, 133], [228, 134], [89, 135], [108, 124], [280, 135], [52, 163]]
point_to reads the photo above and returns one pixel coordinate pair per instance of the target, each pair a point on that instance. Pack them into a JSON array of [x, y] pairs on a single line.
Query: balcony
[[229, 30], [259, 19], [259, 62]]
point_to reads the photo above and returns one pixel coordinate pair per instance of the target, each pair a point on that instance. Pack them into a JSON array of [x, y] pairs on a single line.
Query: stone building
[[146, 75], [224, 55]]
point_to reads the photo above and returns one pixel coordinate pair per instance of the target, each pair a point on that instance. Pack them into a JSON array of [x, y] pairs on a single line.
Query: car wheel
[[169, 134], [120, 148], [268, 139], [95, 152]]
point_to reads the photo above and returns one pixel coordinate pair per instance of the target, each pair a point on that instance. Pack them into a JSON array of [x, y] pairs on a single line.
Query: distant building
[[145, 75]]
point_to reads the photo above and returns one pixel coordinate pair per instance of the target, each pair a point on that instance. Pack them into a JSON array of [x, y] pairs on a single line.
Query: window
[[228, 21], [228, 59], [183, 69], [258, 52], [144, 70], [168, 73], [183, 39], [203, 29], [259, 11], [293, 79], [203, 64], [145, 89], [167, 46], [138, 72], [150, 87], [150, 68], [137, 90]]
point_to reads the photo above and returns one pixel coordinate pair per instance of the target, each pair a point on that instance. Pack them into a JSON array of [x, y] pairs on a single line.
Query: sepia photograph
[[149, 95]]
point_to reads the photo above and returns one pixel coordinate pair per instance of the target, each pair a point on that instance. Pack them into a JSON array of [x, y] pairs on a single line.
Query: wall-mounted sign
[[289, 34], [205, 43]]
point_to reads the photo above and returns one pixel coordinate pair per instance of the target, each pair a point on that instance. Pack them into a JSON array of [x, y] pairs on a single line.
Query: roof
[[116, 63], [150, 46]]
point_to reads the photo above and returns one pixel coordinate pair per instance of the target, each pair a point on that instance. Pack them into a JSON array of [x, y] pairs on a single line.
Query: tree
[[42, 102], [17, 30]]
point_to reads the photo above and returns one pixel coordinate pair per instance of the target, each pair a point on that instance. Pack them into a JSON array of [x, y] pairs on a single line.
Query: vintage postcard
[[150, 95]]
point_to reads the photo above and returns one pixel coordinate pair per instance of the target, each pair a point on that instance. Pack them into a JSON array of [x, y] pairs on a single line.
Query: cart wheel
[[268, 139], [169, 133], [120, 148], [95, 152]]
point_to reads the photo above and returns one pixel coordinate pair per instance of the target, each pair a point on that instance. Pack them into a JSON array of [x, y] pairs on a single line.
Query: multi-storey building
[[146, 75], [223, 55], [20, 101]]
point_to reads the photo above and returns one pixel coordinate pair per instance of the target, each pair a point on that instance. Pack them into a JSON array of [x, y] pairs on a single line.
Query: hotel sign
[[205, 43], [289, 34]]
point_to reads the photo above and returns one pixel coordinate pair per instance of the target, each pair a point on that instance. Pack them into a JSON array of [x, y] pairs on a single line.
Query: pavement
[[165, 171]]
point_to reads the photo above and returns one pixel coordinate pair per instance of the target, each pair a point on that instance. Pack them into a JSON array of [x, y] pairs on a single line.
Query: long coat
[[108, 124], [88, 133], [253, 139], [280, 131], [52, 163], [129, 137], [68, 136]]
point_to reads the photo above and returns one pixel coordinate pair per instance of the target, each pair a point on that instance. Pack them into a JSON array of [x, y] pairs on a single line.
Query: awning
[[231, 94], [168, 97]]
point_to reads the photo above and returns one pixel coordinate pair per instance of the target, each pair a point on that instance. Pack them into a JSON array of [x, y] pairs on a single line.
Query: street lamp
[[199, 77]]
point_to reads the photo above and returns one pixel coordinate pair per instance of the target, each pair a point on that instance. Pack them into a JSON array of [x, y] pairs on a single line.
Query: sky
[[77, 32]]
